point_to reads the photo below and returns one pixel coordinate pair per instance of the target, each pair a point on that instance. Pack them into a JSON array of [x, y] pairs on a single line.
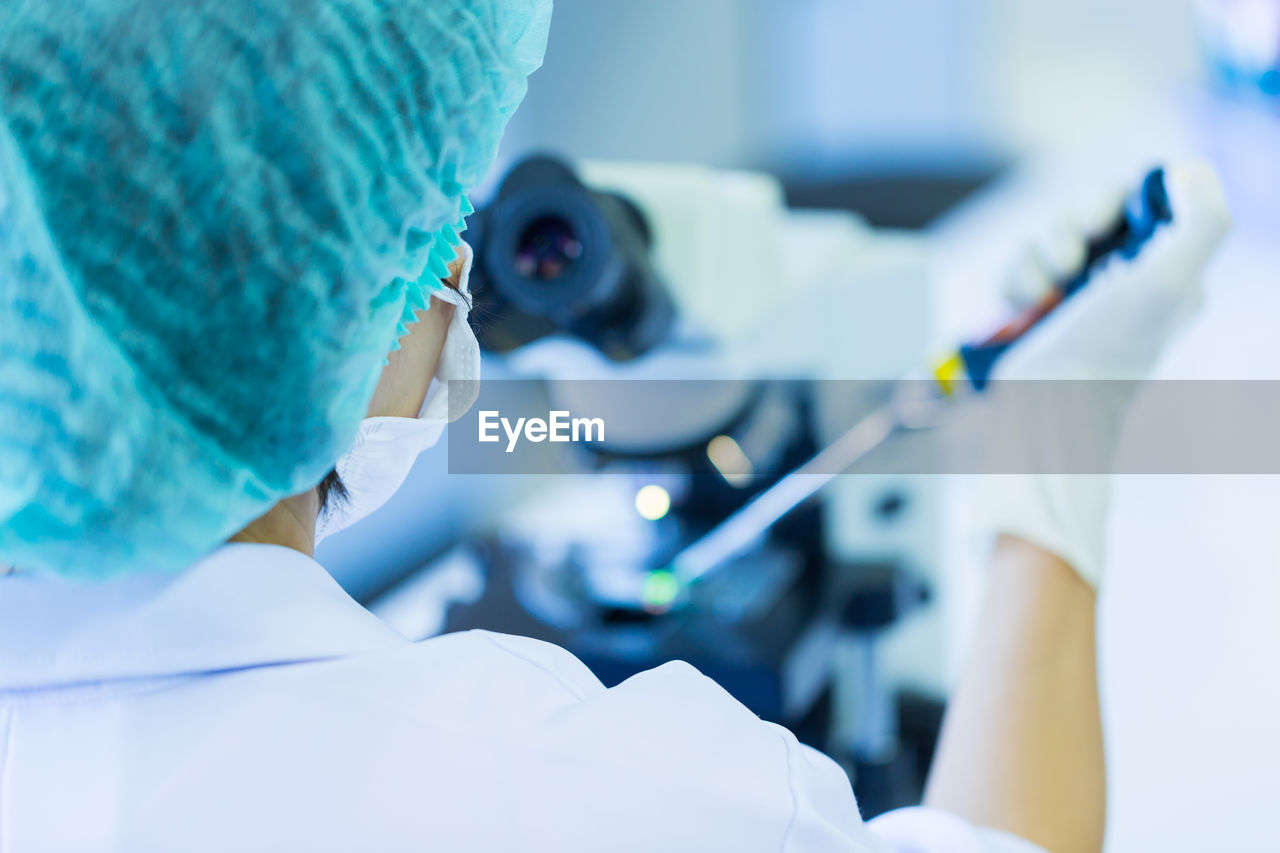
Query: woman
[[217, 219]]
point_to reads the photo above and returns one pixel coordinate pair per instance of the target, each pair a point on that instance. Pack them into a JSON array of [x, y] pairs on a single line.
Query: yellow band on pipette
[[950, 374]]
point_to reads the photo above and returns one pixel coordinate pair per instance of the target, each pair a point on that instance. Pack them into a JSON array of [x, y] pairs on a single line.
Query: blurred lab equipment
[[709, 538], [618, 272], [701, 542]]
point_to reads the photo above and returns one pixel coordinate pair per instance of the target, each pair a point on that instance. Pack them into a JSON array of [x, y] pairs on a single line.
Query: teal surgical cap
[[215, 217]]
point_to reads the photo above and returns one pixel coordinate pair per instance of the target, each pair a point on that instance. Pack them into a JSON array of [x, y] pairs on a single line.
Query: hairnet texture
[[216, 217]]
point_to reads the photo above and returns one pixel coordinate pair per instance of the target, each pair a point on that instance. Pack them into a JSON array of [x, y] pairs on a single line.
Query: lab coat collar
[[243, 606]]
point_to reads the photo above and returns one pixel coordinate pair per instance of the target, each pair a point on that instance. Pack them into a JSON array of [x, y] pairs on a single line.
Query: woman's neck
[[291, 523]]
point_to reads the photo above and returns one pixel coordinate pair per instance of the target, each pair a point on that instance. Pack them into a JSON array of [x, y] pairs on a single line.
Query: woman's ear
[[402, 388]]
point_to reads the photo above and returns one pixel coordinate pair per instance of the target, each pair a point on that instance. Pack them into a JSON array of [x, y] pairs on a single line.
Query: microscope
[[709, 325]]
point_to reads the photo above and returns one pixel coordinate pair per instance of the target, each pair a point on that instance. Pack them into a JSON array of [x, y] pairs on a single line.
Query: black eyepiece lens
[[547, 249]]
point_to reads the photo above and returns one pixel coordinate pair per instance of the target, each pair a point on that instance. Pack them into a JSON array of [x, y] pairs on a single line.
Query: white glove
[[1115, 328]]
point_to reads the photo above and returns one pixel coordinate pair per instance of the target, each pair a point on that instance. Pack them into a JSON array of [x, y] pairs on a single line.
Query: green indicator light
[[660, 590]]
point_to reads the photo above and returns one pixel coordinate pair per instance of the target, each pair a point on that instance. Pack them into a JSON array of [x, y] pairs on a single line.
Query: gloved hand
[[1114, 329]]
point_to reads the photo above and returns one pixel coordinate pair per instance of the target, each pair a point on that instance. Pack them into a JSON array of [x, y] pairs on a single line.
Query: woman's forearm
[[1021, 747]]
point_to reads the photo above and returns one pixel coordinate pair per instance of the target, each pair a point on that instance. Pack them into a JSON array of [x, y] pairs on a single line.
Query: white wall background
[[1054, 70], [831, 85], [644, 80]]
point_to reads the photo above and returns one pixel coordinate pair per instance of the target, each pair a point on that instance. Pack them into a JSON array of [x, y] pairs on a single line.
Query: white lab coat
[[249, 704]]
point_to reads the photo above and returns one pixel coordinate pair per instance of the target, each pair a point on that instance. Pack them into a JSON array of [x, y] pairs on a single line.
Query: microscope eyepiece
[[556, 257], [548, 249]]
